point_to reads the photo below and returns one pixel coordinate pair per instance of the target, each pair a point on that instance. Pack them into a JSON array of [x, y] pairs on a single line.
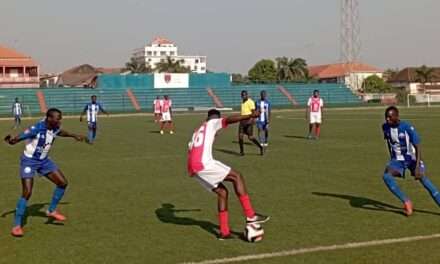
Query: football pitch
[[130, 200]]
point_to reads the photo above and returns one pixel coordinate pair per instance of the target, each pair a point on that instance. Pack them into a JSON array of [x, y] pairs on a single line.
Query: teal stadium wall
[[111, 91]]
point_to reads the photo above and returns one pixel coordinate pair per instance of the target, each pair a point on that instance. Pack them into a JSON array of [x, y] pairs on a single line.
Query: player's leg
[[58, 178], [427, 183], [94, 128], [317, 130], [250, 134], [222, 206], [266, 134], [260, 132], [396, 169], [171, 124], [20, 210], [241, 138], [162, 125], [240, 190], [311, 126], [90, 132]]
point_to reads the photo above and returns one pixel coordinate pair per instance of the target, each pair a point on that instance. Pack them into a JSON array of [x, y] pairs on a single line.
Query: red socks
[[246, 205], [318, 131], [223, 219]]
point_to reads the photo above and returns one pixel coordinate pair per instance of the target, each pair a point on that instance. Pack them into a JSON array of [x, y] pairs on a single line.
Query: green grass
[[318, 193]]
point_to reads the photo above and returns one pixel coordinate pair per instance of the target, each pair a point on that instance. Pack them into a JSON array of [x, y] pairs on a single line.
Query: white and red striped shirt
[[166, 105], [315, 104], [200, 147], [157, 105]]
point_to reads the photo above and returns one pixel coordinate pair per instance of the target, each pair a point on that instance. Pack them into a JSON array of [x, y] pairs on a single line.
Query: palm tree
[[289, 70], [134, 66], [299, 69], [424, 75], [172, 66], [283, 70]]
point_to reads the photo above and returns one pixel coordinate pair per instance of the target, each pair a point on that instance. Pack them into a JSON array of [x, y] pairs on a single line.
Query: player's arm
[[415, 141], [12, 140], [27, 134], [82, 114], [269, 115], [64, 133], [418, 171], [308, 109], [237, 118], [103, 110]]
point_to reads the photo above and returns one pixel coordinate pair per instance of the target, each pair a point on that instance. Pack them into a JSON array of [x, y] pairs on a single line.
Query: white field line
[[301, 251]]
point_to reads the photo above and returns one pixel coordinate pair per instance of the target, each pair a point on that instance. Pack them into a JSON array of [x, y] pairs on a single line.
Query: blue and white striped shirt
[[92, 111], [401, 140], [39, 140]]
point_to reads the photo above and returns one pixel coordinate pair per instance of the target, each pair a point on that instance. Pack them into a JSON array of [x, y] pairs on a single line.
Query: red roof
[[10, 57], [340, 69], [161, 41]]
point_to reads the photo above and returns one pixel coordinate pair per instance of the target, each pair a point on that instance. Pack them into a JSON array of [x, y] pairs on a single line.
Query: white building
[[161, 48], [409, 79], [352, 75]]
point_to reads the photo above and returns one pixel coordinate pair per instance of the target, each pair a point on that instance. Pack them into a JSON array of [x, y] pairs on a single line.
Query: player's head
[[244, 95], [16, 99], [392, 115], [213, 113], [263, 95], [158, 97], [315, 93], [165, 97], [93, 98], [53, 117]]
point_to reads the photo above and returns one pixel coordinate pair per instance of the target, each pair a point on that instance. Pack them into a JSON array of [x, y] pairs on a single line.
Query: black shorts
[[246, 128]]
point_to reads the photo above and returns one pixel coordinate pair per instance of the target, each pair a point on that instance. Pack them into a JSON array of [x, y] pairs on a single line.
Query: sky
[[234, 34]]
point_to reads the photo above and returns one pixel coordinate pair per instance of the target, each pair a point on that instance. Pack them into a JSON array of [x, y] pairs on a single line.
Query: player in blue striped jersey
[[39, 138], [263, 105], [403, 143], [17, 112], [92, 110]]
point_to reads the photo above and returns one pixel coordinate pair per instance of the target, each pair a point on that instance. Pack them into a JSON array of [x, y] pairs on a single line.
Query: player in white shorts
[[157, 106], [211, 173], [314, 115], [166, 120]]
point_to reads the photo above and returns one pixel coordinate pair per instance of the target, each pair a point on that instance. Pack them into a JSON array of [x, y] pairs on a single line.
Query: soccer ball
[[253, 232]]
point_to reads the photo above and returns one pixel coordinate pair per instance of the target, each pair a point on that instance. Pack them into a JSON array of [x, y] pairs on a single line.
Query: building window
[[154, 53], [195, 68], [163, 53], [203, 68], [172, 53], [197, 60], [149, 53], [202, 59]]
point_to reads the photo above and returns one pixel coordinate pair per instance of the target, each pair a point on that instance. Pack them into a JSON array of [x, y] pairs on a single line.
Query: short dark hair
[[389, 108], [243, 91], [315, 91], [52, 110], [214, 112]]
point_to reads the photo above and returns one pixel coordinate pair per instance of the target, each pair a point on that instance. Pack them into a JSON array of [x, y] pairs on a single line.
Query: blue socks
[[90, 135], [394, 188], [94, 134], [430, 187], [20, 211], [57, 195]]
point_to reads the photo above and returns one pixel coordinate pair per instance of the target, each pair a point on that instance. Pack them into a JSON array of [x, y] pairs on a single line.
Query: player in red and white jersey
[[157, 109], [211, 173], [314, 114], [166, 120]]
